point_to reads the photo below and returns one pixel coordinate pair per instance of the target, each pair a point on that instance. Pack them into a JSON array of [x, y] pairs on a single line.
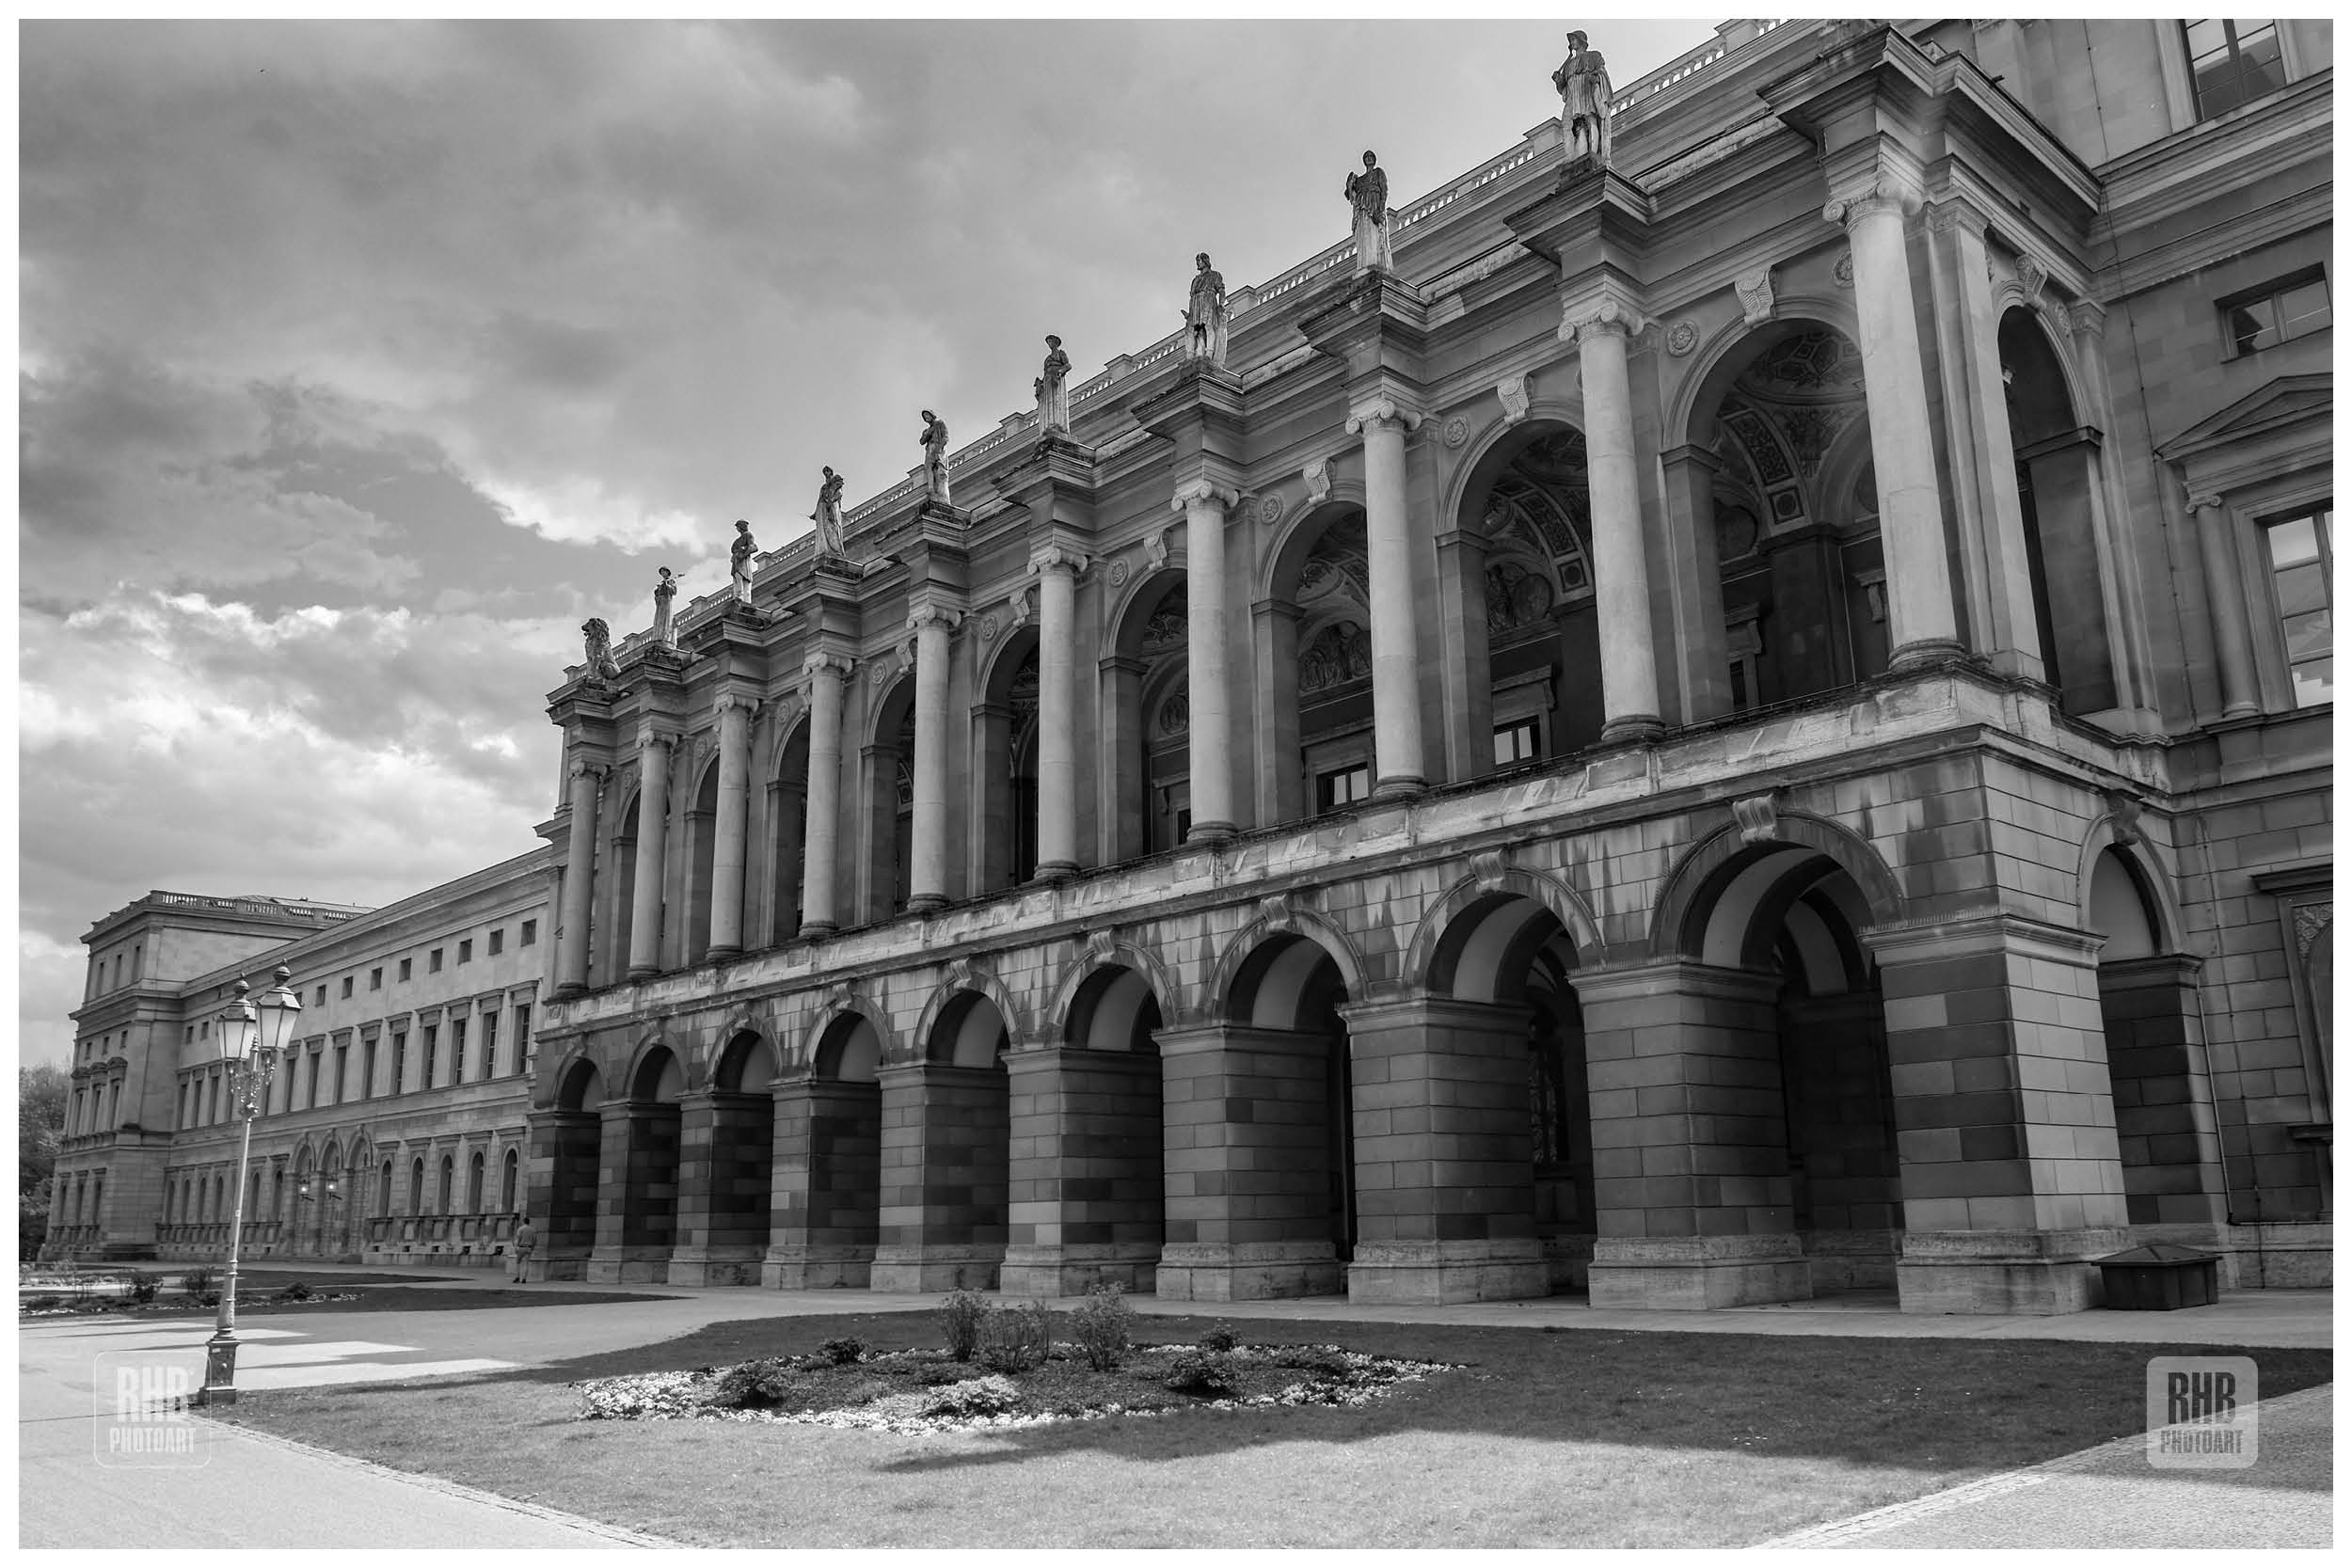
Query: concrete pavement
[[69, 1373]]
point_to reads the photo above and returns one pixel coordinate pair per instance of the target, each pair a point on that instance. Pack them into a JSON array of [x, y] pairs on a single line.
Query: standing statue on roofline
[[740, 561], [830, 531], [1053, 388], [1368, 200], [1205, 316], [1583, 83], [664, 623], [934, 439]]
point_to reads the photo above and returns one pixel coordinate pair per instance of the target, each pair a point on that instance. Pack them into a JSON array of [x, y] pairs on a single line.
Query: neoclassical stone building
[[1748, 722]]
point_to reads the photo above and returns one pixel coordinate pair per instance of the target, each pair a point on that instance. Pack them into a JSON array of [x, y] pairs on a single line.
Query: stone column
[[1903, 441], [820, 888], [826, 1196], [580, 862], [1445, 1173], [2004, 1113], [652, 817], [1207, 674], [1397, 761], [2232, 634], [1083, 1179], [1247, 1201], [1057, 712], [1629, 661], [926, 882], [734, 799], [1690, 1185]]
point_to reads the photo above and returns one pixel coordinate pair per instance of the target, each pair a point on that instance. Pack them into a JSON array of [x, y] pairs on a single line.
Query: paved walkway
[[71, 1494]]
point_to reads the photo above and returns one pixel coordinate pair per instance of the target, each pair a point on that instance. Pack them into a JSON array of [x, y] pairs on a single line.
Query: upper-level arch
[[1709, 907]]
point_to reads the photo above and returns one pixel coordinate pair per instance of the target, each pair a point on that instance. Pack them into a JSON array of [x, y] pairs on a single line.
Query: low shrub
[[1221, 1338], [759, 1385], [1019, 1339], [961, 1314], [40, 1304], [1103, 1328], [196, 1282], [1206, 1372], [144, 1289], [1314, 1359], [295, 1291], [843, 1352], [978, 1396], [939, 1374]]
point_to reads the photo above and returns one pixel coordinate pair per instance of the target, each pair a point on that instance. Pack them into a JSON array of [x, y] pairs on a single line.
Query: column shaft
[[1208, 681], [1902, 443], [1397, 763], [735, 797], [1628, 664], [1057, 717], [927, 888], [652, 817], [579, 882], [2232, 636], [821, 870]]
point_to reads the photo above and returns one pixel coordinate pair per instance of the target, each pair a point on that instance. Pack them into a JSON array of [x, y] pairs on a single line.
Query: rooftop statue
[[664, 627], [830, 529], [1053, 388], [1368, 199], [1583, 83], [598, 640], [1205, 315], [934, 439], [740, 561]]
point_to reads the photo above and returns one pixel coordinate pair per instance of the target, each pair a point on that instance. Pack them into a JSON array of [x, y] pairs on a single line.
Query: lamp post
[[252, 1033]]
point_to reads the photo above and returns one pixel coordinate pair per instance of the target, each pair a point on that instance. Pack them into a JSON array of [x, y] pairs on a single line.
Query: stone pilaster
[[942, 1178], [636, 1192], [2225, 602], [1085, 1197], [1691, 1180], [723, 1186], [827, 1194], [1445, 1184], [561, 1197], [1248, 1202]]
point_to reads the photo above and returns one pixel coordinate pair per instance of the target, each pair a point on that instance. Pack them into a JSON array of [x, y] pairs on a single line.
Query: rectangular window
[[375, 979], [465, 951], [367, 1071], [457, 1051], [432, 1050], [522, 1036], [1519, 742], [404, 967], [342, 1054], [531, 934], [182, 1120], [489, 1046], [2302, 562], [314, 1081], [1342, 786], [2286, 308], [346, 986], [433, 961], [400, 1063], [2233, 63], [497, 941], [322, 998]]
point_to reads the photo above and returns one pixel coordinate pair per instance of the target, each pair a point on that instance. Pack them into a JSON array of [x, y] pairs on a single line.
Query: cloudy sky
[[359, 364]]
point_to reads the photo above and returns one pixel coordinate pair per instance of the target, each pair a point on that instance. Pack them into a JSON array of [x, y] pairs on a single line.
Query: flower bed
[[918, 1391]]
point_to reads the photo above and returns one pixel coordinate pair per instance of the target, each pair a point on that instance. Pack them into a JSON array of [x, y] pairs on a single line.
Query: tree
[[40, 1099]]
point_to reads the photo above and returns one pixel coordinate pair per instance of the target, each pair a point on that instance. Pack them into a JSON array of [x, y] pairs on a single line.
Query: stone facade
[[1716, 733]]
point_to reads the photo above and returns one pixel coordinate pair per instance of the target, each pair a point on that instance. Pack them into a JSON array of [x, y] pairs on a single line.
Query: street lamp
[[252, 1033]]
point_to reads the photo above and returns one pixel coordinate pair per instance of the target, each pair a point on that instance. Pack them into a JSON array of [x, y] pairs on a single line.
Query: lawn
[[1539, 1439], [334, 1292]]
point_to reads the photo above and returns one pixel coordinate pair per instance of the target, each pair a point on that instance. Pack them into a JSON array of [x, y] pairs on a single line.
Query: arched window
[[384, 1192], [473, 1184], [507, 1192], [449, 1173], [416, 1185]]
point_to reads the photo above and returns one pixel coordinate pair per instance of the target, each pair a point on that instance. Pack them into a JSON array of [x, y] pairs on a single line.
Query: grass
[[369, 1292], [1542, 1439]]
